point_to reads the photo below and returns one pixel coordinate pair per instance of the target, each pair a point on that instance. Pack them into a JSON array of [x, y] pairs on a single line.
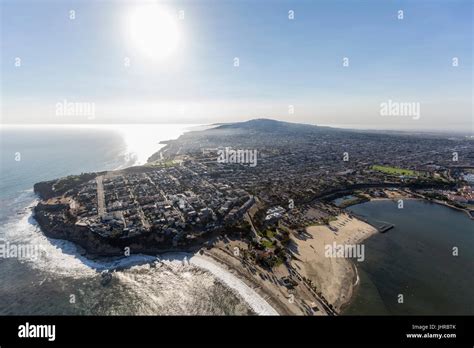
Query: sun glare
[[153, 31]]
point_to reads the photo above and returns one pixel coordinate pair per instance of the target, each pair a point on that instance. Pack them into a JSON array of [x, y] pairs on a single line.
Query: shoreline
[[416, 197], [383, 258], [424, 199], [265, 293], [245, 290], [249, 292], [261, 296], [356, 283], [255, 293], [241, 286], [335, 277], [335, 281], [325, 285]]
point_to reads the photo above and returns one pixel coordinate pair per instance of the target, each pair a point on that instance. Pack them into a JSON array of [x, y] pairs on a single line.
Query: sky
[[289, 69]]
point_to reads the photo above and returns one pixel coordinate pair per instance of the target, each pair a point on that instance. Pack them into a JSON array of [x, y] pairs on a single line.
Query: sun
[[153, 31]]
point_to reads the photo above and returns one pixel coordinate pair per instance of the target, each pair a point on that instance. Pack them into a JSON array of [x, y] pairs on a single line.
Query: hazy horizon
[[354, 127], [110, 56]]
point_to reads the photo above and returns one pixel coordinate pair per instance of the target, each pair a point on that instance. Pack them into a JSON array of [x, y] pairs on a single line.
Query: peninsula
[[262, 197]]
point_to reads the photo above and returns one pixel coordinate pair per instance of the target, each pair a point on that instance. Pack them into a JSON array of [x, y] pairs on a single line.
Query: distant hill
[[269, 126]]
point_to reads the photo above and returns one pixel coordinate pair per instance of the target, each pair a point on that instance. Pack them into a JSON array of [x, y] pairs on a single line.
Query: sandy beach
[[334, 277]]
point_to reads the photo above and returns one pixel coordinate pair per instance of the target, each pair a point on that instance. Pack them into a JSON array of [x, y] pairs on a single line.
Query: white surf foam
[[63, 258], [254, 300]]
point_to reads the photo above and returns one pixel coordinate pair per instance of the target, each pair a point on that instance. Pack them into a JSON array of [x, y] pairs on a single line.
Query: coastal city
[[188, 171], [258, 218]]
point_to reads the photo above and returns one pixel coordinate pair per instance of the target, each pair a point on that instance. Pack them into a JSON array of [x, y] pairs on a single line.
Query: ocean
[[415, 259], [61, 281]]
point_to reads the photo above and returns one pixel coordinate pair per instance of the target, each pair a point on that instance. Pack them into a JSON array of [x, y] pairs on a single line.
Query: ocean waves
[[172, 284]]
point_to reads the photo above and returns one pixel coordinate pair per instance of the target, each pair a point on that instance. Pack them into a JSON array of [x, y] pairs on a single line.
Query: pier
[[385, 228], [382, 227]]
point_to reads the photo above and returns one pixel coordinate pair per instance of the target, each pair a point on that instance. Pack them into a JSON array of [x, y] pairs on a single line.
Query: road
[[101, 211]]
